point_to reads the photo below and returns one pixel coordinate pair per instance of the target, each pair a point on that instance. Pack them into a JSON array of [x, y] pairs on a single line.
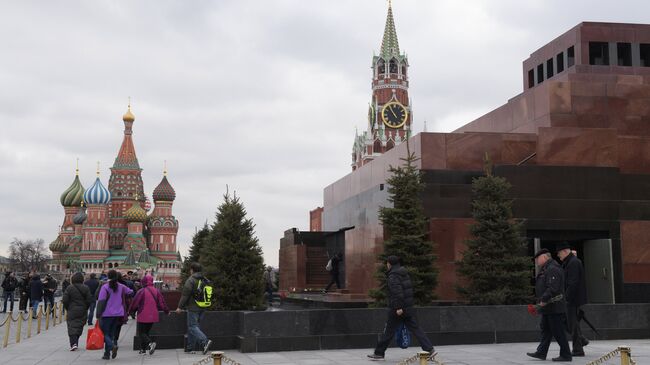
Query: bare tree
[[28, 255]]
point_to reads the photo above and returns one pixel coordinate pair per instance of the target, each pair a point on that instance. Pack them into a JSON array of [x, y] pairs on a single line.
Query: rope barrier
[[217, 358], [422, 358], [624, 351]]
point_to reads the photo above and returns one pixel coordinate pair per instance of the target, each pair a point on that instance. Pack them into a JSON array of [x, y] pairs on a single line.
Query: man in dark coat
[[35, 293], [49, 287], [23, 287], [195, 337], [76, 300], [549, 291], [9, 285], [401, 311], [334, 272], [92, 283], [576, 295]]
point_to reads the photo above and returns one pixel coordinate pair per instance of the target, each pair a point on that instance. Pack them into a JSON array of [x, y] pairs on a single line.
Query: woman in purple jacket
[[147, 302], [110, 308]]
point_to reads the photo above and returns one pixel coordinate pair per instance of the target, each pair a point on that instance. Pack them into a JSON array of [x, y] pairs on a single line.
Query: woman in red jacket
[[147, 302]]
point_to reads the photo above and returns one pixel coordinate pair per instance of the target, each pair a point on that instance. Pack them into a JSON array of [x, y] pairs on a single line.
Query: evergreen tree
[[495, 265], [198, 240], [405, 229], [232, 259]]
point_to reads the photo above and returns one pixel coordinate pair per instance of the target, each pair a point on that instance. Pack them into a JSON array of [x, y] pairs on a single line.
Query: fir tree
[[232, 259], [198, 240], [495, 266], [405, 228]]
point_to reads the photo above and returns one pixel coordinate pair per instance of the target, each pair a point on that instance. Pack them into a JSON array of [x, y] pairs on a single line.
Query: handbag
[[95, 338], [403, 337]]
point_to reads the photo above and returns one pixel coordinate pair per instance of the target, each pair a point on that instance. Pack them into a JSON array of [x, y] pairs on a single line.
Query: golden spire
[[128, 116], [77, 166], [97, 168], [165, 168]]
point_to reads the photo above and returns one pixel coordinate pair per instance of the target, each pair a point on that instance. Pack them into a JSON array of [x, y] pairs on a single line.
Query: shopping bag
[[95, 338], [403, 337]]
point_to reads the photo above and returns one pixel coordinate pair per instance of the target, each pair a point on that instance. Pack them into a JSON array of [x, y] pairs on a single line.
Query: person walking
[[576, 295], [269, 284], [64, 286], [122, 321], [400, 309], [92, 283], [147, 302], [35, 294], [9, 285], [110, 309], [334, 271], [49, 287], [23, 288], [549, 292], [76, 300], [194, 313]]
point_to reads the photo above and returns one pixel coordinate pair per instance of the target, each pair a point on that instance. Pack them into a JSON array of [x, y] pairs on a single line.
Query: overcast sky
[[261, 95]]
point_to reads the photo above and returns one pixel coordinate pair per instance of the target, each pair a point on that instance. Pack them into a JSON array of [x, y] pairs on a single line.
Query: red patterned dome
[[164, 191]]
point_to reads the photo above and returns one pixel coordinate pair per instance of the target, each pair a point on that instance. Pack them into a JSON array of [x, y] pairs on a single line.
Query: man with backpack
[[333, 267], [195, 299], [9, 285]]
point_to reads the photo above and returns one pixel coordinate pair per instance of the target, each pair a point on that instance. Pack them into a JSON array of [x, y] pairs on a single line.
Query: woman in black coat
[[76, 300]]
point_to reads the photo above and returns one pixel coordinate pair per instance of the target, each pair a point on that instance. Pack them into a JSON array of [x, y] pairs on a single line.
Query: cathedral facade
[[110, 228]]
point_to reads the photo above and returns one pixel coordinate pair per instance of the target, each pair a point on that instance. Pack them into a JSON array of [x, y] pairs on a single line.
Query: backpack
[[203, 293], [328, 267]]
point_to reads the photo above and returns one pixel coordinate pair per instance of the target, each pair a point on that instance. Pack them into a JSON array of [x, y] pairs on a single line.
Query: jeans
[[108, 326], [143, 332], [49, 303], [194, 334], [91, 312], [9, 296], [35, 304], [554, 325], [393, 322]]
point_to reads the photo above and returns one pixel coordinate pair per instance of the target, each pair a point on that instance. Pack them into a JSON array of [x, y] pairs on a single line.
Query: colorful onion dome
[[97, 194], [81, 216], [128, 116], [58, 245], [72, 196], [136, 213], [164, 191]]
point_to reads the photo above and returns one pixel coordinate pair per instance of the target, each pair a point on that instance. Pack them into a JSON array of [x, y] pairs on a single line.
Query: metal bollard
[[424, 357], [625, 354], [29, 323], [7, 330], [61, 313], [20, 325], [39, 317], [48, 310], [216, 356]]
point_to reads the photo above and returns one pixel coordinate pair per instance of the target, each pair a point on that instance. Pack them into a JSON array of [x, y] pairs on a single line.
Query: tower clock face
[[394, 114]]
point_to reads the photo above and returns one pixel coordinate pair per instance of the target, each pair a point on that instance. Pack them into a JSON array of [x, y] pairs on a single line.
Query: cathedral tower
[[389, 112]]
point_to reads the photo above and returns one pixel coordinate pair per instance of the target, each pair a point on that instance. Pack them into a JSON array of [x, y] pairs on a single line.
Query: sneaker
[[206, 348], [142, 352], [114, 352], [106, 357], [152, 348], [375, 357], [74, 347], [432, 355]]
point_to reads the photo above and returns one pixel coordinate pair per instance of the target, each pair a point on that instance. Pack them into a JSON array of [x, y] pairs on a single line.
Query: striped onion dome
[[81, 216], [136, 213], [72, 196], [97, 194], [164, 191], [58, 245]]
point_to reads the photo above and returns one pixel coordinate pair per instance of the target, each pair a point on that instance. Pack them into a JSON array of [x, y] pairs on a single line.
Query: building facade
[[575, 145], [109, 228]]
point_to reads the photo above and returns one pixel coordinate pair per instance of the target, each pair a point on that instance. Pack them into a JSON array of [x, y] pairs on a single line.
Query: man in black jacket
[[9, 285], [92, 283], [576, 295], [400, 309], [334, 272], [549, 291]]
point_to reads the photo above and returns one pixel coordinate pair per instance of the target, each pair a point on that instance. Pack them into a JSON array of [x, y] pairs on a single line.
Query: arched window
[[376, 147], [381, 66], [393, 66], [404, 71], [110, 265]]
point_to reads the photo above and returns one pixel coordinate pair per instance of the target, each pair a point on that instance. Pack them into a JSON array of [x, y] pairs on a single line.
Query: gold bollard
[[29, 323], [625, 354], [216, 356], [7, 330], [424, 357], [39, 317], [48, 310], [20, 325], [61, 313]]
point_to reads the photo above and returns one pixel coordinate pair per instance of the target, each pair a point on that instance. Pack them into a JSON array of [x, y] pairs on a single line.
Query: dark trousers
[[22, 305], [91, 312], [143, 332], [48, 303], [74, 340], [9, 297], [554, 326], [393, 322], [577, 338], [334, 280], [269, 293], [118, 330], [108, 326]]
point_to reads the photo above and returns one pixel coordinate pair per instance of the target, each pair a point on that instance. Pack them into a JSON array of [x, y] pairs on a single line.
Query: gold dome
[[128, 116]]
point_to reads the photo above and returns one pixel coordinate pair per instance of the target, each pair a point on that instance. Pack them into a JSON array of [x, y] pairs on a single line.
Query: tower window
[[531, 78], [381, 66], [570, 56], [624, 54], [540, 73], [376, 148], [645, 54], [549, 68], [559, 61], [599, 53], [404, 70], [393, 66]]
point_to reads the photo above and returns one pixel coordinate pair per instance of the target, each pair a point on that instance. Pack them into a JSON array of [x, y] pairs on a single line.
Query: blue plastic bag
[[403, 337]]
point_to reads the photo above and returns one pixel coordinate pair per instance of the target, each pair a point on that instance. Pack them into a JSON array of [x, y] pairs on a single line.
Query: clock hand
[[392, 111]]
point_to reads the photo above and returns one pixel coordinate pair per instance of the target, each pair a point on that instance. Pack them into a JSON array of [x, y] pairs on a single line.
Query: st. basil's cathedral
[[109, 228]]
